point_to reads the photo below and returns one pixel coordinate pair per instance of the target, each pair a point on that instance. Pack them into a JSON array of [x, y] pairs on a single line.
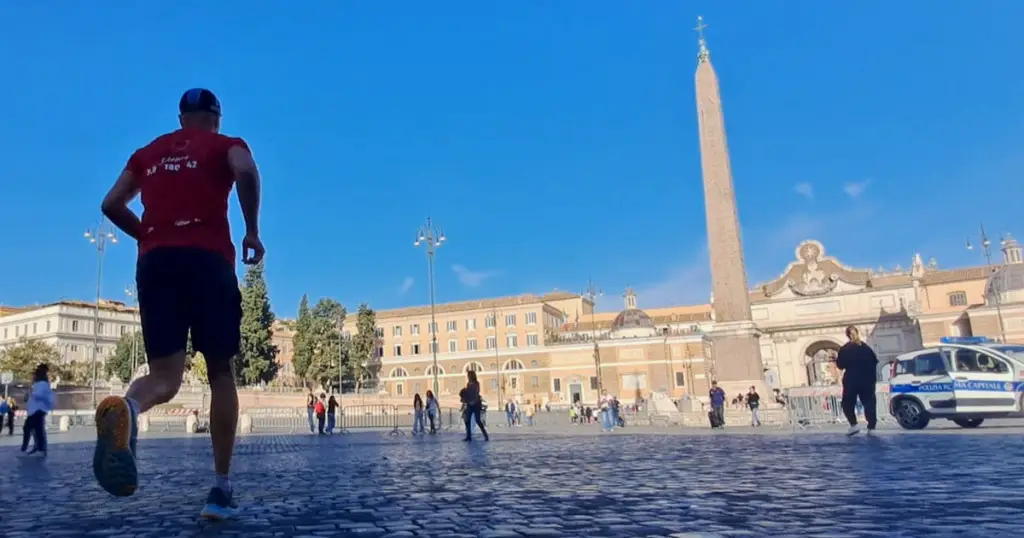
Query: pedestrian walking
[[187, 284], [433, 412], [41, 401], [754, 403], [474, 406], [860, 371], [332, 414]]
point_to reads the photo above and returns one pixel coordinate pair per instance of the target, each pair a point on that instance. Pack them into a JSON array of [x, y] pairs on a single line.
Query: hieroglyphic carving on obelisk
[[737, 354]]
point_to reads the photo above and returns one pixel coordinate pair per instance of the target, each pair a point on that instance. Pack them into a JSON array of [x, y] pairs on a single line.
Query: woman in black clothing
[[474, 406]]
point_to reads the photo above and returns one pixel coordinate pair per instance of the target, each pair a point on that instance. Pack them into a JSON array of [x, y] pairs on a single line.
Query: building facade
[[71, 327]]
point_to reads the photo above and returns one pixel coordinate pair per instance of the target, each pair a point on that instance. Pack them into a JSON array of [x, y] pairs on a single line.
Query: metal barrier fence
[[815, 407], [394, 419]]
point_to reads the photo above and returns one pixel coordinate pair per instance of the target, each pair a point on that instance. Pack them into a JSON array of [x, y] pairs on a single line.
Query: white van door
[[982, 382]]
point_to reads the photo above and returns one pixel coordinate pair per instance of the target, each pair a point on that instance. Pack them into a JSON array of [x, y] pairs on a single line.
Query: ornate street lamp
[[98, 237], [431, 238]]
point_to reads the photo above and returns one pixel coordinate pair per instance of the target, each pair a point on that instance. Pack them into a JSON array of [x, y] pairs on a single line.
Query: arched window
[[473, 367], [398, 372], [512, 364], [430, 370]]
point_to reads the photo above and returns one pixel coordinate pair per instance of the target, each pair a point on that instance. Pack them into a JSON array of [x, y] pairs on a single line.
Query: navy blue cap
[[199, 100]]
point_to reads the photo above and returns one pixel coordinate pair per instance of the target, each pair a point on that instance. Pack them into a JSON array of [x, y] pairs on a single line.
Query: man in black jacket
[[860, 366]]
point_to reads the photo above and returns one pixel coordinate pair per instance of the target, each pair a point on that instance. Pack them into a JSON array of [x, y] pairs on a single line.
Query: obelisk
[[736, 355]]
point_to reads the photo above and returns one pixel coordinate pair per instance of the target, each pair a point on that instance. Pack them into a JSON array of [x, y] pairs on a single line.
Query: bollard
[[65, 423], [143, 423], [191, 423], [244, 423]]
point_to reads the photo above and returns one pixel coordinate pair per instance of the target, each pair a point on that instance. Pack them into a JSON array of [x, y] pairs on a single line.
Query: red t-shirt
[[319, 409], [185, 181]]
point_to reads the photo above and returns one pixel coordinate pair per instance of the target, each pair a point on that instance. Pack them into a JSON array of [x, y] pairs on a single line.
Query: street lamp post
[[133, 297], [431, 238], [98, 237], [987, 251], [497, 357], [592, 292]]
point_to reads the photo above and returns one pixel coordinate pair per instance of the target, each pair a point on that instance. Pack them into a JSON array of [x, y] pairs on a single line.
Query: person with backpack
[[321, 413]]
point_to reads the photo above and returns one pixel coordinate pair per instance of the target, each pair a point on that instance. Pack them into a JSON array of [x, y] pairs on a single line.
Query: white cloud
[[472, 278], [804, 189], [856, 188], [406, 284]]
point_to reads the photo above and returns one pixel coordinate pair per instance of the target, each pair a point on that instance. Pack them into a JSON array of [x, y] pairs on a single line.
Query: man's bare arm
[[115, 205], [247, 179]]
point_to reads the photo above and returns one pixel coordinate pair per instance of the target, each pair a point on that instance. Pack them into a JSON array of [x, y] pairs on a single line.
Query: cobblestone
[[536, 486]]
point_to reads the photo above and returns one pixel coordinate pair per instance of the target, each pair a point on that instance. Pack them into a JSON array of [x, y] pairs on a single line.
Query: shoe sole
[[113, 462], [851, 434], [212, 512]]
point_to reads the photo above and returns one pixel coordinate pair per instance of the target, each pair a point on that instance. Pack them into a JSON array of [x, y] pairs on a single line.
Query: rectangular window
[[491, 342], [453, 346], [593, 382], [531, 318], [511, 341], [510, 320], [380, 352], [398, 350], [471, 324], [74, 348], [471, 344], [17, 331], [535, 381], [396, 331], [124, 329], [680, 379], [958, 298], [489, 321], [34, 327], [556, 385], [433, 347], [415, 349], [5, 333], [532, 340], [453, 326], [414, 329], [379, 331], [433, 327], [74, 326]]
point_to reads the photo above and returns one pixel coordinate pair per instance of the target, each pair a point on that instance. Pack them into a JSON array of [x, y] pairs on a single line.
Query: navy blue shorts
[[189, 289]]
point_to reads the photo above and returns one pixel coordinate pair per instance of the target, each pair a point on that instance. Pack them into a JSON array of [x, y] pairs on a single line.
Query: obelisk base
[[736, 359]]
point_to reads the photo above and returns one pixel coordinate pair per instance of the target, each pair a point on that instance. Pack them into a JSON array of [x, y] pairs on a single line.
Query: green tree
[[325, 343], [255, 362], [23, 358], [303, 353], [365, 361], [74, 372], [128, 355], [199, 368]]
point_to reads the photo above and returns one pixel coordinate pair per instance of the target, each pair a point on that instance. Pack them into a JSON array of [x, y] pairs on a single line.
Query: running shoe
[[853, 430], [113, 461], [219, 506]]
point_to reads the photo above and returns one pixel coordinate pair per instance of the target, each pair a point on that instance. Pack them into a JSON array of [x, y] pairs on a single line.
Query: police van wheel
[[910, 415], [968, 422]]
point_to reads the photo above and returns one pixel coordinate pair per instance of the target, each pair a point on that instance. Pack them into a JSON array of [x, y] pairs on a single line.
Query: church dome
[[632, 318], [1008, 282]]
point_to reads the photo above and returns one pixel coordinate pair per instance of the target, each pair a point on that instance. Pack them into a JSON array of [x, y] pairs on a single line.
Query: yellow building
[[540, 348]]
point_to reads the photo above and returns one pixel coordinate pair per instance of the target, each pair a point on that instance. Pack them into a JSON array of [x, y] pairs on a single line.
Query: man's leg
[[870, 403], [216, 320], [163, 306]]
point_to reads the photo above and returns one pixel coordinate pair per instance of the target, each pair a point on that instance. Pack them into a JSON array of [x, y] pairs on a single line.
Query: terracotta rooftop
[[479, 304]]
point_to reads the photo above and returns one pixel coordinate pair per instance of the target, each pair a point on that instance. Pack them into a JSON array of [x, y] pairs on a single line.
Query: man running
[[186, 282]]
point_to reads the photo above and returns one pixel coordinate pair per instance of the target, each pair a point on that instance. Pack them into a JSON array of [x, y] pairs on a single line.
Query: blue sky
[[554, 141]]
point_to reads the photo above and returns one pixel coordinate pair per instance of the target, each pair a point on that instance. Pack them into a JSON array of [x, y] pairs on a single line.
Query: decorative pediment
[[814, 274]]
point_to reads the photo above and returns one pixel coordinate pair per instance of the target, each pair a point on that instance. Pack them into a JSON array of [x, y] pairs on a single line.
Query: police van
[[965, 380]]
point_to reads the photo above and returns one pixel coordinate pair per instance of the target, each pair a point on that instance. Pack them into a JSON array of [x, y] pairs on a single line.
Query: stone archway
[[818, 359]]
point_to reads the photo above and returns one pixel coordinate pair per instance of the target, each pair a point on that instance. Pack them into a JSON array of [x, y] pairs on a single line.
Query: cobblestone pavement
[[536, 485]]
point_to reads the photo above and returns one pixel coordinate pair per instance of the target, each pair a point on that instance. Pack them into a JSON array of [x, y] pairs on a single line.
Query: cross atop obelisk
[[703, 54], [737, 353]]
